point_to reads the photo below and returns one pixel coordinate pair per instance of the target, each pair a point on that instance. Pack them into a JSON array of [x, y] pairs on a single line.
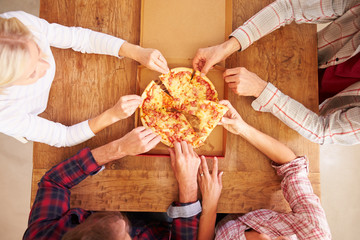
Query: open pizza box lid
[[177, 29]]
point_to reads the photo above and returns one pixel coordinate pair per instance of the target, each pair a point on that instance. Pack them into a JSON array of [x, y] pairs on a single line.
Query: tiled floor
[[340, 176]]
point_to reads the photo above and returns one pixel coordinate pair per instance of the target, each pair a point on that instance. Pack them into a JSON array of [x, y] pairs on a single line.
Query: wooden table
[[87, 84]]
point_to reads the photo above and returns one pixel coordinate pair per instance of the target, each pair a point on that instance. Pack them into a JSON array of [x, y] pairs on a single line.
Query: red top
[[334, 79]]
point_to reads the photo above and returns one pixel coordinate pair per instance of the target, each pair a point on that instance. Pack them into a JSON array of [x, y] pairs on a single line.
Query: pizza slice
[[205, 87], [180, 85], [208, 114], [155, 98], [171, 126]]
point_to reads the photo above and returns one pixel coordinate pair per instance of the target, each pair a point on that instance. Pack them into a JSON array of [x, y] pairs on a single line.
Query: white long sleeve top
[[20, 105], [337, 42]]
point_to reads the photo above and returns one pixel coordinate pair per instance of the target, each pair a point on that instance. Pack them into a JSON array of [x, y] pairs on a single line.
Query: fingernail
[[203, 74]]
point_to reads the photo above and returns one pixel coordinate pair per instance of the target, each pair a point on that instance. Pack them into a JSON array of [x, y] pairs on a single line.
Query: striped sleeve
[[283, 12], [77, 38], [339, 127], [38, 129]]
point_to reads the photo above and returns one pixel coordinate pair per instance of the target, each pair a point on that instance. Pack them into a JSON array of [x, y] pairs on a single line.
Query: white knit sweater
[[20, 105]]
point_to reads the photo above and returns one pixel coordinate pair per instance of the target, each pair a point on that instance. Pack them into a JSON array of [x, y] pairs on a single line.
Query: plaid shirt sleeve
[[298, 192], [51, 216], [185, 228], [283, 12], [339, 127]]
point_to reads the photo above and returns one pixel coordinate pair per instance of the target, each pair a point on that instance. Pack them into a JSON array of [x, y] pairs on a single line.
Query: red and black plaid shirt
[[51, 216]]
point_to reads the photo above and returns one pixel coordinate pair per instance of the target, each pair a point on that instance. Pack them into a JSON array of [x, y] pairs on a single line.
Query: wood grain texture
[[86, 85]]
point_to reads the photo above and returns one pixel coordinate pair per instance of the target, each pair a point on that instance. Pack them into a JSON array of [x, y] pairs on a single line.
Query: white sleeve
[[77, 38], [283, 12], [38, 129]]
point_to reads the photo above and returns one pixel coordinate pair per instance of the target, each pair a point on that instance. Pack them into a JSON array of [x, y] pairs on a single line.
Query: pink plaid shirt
[[306, 221], [337, 42]]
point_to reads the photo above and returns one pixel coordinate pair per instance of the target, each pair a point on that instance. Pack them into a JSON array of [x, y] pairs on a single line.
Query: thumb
[[226, 120], [206, 68]]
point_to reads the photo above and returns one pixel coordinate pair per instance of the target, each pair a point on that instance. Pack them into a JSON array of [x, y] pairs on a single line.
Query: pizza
[[188, 113], [180, 85]]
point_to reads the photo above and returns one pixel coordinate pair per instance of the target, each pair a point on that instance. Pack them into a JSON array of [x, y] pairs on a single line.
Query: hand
[[244, 82], [206, 58], [185, 163], [232, 121], [150, 58], [210, 185], [138, 141], [153, 59], [125, 107]]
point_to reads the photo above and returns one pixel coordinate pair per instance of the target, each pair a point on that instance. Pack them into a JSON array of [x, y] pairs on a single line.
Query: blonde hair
[[14, 52]]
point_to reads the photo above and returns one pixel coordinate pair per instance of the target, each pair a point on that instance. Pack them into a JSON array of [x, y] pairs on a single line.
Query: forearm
[[109, 152], [38, 129], [130, 50], [230, 46], [207, 225], [102, 121], [188, 193], [340, 126], [269, 146]]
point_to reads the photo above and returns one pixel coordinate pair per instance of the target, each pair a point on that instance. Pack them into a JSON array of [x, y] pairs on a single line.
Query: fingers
[[159, 63], [177, 147], [215, 167], [232, 79], [172, 157], [198, 61], [153, 142], [149, 137], [220, 178], [232, 110], [204, 167], [146, 131], [225, 102], [233, 85], [161, 66], [208, 65], [131, 97], [227, 121], [184, 147], [231, 71], [153, 66]]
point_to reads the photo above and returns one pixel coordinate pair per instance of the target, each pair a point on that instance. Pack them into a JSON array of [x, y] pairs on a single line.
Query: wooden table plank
[[86, 85]]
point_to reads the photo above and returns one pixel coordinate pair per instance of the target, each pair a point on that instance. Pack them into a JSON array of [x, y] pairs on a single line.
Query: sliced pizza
[[208, 114], [180, 85], [188, 114], [155, 98], [171, 126]]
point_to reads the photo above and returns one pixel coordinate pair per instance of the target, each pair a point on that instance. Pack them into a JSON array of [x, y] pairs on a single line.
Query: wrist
[[188, 193], [261, 86], [111, 116], [232, 45], [209, 208], [129, 50], [243, 128], [108, 152]]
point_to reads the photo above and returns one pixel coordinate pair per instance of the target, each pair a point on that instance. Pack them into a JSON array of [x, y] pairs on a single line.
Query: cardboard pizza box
[[177, 29]]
